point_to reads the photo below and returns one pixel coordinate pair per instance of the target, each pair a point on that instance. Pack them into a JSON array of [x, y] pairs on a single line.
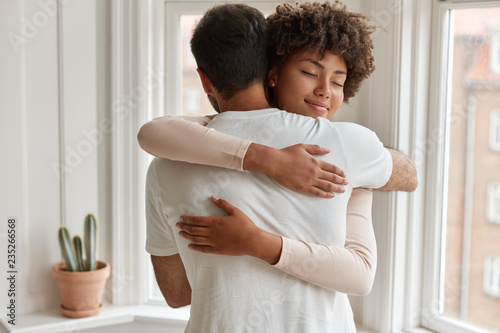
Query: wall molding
[[399, 109], [131, 100]]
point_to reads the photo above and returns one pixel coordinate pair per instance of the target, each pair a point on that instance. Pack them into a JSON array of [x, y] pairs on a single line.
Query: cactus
[[72, 251], [77, 245], [67, 250], [90, 232]]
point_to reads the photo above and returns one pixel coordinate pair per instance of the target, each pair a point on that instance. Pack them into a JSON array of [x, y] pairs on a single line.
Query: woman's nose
[[323, 90]]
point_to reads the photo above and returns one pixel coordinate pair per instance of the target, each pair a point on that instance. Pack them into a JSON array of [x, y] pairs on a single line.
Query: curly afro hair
[[322, 27]]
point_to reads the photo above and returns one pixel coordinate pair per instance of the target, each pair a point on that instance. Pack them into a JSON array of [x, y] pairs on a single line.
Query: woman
[[322, 53]]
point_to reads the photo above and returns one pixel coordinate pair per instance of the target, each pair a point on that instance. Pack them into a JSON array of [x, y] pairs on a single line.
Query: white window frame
[[495, 53], [493, 213], [405, 89], [143, 86], [408, 237], [495, 128], [433, 284], [491, 284]]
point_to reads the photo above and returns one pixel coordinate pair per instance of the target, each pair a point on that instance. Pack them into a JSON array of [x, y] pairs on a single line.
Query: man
[[234, 294]]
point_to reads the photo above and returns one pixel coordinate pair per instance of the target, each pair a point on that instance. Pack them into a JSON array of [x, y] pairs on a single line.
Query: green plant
[[72, 250]]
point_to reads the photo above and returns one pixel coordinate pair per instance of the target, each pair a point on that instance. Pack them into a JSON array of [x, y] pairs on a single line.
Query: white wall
[[50, 139]]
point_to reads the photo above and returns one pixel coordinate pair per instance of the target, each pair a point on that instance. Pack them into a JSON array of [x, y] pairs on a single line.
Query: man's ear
[[272, 77], [205, 82]]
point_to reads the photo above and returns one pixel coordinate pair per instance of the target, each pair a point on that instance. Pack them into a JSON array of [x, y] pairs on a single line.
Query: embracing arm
[[172, 280], [404, 173], [187, 139], [349, 270]]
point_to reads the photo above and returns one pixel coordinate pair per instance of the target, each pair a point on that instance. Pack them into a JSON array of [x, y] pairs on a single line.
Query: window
[[491, 285], [495, 130], [467, 92], [495, 53], [194, 100], [494, 203], [183, 93]]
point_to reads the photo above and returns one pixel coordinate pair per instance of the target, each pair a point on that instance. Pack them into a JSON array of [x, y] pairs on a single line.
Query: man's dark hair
[[230, 44]]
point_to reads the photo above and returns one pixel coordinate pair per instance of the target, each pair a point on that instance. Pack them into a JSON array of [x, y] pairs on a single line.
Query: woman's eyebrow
[[317, 64], [314, 62]]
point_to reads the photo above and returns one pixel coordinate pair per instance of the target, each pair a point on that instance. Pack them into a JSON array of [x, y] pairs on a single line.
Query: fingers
[[315, 149], [329, 186], [224, 205], [203, 248], [335, 180], [192, 229], [200, 221], [200, 240], [320, 193], [333, 169]]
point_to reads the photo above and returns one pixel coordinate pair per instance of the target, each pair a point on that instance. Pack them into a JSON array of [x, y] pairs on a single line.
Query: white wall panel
[[40, 68], [78, 49], [39, 94]]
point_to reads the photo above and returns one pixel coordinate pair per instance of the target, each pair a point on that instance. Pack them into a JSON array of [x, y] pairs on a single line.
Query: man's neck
[[252, 98]]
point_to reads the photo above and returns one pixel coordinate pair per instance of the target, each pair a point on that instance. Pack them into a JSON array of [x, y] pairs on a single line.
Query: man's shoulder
[[348, 127], [156, 166], [356, 133]]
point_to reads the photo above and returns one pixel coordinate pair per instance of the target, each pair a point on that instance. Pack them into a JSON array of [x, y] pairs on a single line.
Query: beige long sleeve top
[[349, 270]]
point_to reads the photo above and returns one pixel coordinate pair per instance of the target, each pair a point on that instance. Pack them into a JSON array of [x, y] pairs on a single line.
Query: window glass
[[492, 276], [470, 276], [495, 53], [194, 100], [494, 202], [495, 130]]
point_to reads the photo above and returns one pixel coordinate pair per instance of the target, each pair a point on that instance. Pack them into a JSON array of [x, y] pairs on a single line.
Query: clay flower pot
[[81, 292]]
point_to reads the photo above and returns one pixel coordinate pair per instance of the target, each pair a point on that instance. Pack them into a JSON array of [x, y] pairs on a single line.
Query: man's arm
[[404, 173], [172, 280]]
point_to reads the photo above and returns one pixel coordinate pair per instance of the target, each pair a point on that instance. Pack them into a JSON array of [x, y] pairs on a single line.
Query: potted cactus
[[81, 281]]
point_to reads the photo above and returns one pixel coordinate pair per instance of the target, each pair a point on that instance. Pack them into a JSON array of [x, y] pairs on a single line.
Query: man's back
[[236, 294]]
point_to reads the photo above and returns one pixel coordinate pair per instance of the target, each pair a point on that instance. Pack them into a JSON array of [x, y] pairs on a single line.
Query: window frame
[[408, 236], [493, 198], [495, 127], [495, 53], [440, 100], [492, 267], [406, 230]]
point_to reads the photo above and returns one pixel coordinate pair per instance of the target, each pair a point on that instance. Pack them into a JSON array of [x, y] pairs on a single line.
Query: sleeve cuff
[[161, 252]]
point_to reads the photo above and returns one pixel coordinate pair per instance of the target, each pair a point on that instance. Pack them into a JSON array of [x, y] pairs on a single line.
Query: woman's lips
[[318, 106]]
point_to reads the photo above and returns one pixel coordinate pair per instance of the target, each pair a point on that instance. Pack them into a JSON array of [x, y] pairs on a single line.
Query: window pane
[[470, 281], [495, 130], [194, 99]]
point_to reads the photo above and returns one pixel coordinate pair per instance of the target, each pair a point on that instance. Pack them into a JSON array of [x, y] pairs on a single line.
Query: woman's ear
[[205, 82], [272, 77]]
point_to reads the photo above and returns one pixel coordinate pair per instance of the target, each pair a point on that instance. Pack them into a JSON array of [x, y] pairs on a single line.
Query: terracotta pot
[[81, 292]]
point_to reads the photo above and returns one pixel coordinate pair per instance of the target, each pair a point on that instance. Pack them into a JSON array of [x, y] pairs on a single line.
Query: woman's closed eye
[[338, 84], [308, 73]]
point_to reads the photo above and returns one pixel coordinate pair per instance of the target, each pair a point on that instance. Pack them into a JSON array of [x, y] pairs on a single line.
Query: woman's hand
[[234, 234], [296, 168]]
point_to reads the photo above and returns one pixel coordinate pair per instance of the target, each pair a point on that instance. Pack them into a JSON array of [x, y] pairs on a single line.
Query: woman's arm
[[350, 270], [187, 139]]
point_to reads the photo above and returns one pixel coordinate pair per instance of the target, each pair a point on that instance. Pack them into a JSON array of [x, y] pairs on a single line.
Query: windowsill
[[53, 321]]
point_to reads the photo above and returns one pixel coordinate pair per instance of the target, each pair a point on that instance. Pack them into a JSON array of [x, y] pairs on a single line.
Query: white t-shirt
[[245, 294]]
